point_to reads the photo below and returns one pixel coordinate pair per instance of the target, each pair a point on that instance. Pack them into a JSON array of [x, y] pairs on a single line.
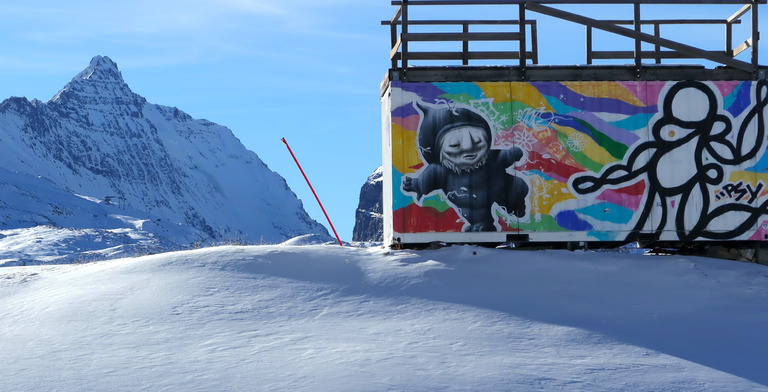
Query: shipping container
[[590, 154]]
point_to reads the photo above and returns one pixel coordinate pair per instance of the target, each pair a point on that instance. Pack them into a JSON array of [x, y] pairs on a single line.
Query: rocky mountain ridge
[[369, 219], [97, 152]]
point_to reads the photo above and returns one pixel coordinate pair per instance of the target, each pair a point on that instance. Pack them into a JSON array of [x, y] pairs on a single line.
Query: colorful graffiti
[[606, 160], [455, 143]]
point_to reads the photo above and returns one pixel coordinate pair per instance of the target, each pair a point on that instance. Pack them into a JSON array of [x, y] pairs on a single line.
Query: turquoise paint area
[[400, 200], [761, 166], [559, 106], [608, 212], [540, 174], [606, 235], [730, 98], [470, 89], [633, 123]]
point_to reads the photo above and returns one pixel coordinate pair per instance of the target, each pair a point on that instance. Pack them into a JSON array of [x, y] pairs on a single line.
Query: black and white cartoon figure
[[691, 143], [455, 146]]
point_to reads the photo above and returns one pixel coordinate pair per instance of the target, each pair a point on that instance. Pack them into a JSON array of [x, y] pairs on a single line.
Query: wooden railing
[[465, 35], [657, 54], [521, 41]]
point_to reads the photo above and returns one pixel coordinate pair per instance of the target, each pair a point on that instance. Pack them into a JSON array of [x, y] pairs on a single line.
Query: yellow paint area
[[748, 177], [602, 90], [546, 193], [498, 91], [529, 95], [405, 155]]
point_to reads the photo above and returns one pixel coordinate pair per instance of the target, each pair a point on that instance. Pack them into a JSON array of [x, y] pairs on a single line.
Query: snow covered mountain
[[98, 157]]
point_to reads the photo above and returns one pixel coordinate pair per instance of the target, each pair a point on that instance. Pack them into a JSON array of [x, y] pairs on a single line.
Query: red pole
[[313, 191]]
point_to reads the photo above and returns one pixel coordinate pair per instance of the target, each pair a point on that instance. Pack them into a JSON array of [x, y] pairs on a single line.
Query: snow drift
[[308, 318]]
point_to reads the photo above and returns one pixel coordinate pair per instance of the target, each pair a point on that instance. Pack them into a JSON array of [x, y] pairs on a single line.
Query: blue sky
[[305, 70]]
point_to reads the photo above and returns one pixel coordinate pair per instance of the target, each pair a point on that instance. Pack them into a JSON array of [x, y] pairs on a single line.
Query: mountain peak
[[99, 83], [100, 68]]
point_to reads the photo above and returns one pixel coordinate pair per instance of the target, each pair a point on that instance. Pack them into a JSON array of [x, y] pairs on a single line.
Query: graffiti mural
[[692, 142], [455, 144], [597, 161]]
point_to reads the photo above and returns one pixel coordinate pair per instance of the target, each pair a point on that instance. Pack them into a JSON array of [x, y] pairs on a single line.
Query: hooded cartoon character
[[455, 144]]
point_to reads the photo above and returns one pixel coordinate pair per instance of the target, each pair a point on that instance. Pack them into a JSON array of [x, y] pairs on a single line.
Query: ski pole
[[313, 190]]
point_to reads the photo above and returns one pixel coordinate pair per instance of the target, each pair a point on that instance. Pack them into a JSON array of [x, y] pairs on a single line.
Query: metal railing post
[[523, 45], [393, 39], [404, 33], [755, 38], [638, 42], [657, 47], [465, 46]]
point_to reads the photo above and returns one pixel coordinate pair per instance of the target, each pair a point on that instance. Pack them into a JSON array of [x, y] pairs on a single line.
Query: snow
[[48, 244], [321, 317]]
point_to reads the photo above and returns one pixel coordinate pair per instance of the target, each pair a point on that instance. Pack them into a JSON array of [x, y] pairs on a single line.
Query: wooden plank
[[431, 37], [395, 49], [744, 46], [397, 16], [461, 22], [646, 54], [459, 55], [669, 21], [497, 55], [689, 50], [735, 17], [530, 22]]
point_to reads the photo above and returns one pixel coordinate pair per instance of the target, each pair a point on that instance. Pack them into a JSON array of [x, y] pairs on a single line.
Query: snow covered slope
[[327, 318], [97, 140]]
